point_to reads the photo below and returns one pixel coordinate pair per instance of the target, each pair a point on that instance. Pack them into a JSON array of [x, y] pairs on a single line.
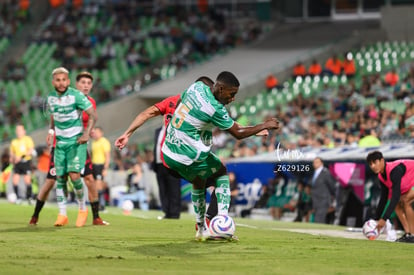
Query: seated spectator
[[315, 68], [299, 70], [36, 102], [369, 139], [135, 189], [271, 82], [391, 78], [349, 66], [14, 113], [276, 200], [333, 66], [2, 117], [304, 204]]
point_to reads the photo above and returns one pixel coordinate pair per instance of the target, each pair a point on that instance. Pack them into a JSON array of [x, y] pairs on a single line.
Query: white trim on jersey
[[195, 122], [187, 140], [69, 132], [206, 107], [66, 117], [176, 157], [65, 100]]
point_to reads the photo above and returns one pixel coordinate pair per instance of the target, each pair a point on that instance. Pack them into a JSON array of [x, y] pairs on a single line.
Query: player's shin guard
[[223, 194], [60, 196], [198, 197], [80, 196]]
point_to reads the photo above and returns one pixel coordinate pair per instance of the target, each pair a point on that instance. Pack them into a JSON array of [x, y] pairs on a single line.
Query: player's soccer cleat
[[99, 221], [82, 217], [61, 220], [207, 223], [33, 221], [403, 237], [203, 233], [406, 238]]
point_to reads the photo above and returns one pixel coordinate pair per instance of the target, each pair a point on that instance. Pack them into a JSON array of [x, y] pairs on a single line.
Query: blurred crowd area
[[90, 35], [351, 105], [118, 42], [13, 14]]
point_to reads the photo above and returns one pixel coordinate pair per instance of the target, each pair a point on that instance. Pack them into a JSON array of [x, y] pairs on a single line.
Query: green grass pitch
[[142, 244]]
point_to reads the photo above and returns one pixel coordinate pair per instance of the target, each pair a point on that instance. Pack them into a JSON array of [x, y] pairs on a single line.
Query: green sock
[[198, 197], [223, 194]]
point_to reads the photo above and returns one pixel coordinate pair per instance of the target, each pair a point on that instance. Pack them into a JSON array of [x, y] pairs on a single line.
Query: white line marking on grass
[[246, 225]]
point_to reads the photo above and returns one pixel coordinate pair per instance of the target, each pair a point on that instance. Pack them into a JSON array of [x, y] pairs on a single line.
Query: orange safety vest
[[77, 3], [391, 78], [299, 70], [271, 81], [349, 67], [334, 66], [56, 3], [24, 4], [315, 69]]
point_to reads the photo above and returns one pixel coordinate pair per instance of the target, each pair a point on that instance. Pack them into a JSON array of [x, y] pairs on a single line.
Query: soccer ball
[[370, 229], [12, 197], [222, 226], [127, 206]]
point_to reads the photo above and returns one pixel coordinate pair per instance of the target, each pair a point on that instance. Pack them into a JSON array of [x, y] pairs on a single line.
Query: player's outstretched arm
[[139, 120], [241, 132]]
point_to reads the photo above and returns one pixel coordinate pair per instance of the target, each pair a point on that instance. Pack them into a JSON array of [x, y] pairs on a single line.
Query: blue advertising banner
[[250, 177]]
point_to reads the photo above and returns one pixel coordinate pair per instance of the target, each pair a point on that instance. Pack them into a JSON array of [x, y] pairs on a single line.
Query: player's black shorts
[[97, 171], [23, 168], [51, 174], [88, 169]]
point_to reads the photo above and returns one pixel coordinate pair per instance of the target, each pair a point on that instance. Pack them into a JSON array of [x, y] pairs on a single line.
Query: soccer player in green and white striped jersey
[[65, 105], [189, 138]]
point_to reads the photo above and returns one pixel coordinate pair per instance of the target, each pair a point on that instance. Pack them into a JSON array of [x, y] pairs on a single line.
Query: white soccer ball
[[222, 226], [12, 197], [128, 206], [370, 229]]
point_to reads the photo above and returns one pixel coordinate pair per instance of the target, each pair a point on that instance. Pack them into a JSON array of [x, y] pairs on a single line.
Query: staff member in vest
[[397, 183], [21, 150], [101, 153]]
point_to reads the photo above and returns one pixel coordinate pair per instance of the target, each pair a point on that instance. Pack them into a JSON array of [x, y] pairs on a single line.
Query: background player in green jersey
[[66, 106], [84, 83], [189, 138]]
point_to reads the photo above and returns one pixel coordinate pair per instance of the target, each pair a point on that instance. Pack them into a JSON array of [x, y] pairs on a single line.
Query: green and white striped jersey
[[67, 110], [189, 134]]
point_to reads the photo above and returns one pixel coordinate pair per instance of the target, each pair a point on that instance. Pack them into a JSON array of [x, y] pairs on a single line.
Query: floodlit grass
[[141, 244]]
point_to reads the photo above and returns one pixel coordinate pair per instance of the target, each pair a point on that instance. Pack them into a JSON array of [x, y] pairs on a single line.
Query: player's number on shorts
[[181, 113]]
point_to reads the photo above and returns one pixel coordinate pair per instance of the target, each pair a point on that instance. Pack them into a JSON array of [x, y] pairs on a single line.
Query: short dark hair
[[373, 156], [206, 80], [228, 79], [84, 74]]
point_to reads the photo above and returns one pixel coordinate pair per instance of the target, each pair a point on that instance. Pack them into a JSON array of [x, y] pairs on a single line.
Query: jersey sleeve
[[222, 119], [168, 105], [82, 102]]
